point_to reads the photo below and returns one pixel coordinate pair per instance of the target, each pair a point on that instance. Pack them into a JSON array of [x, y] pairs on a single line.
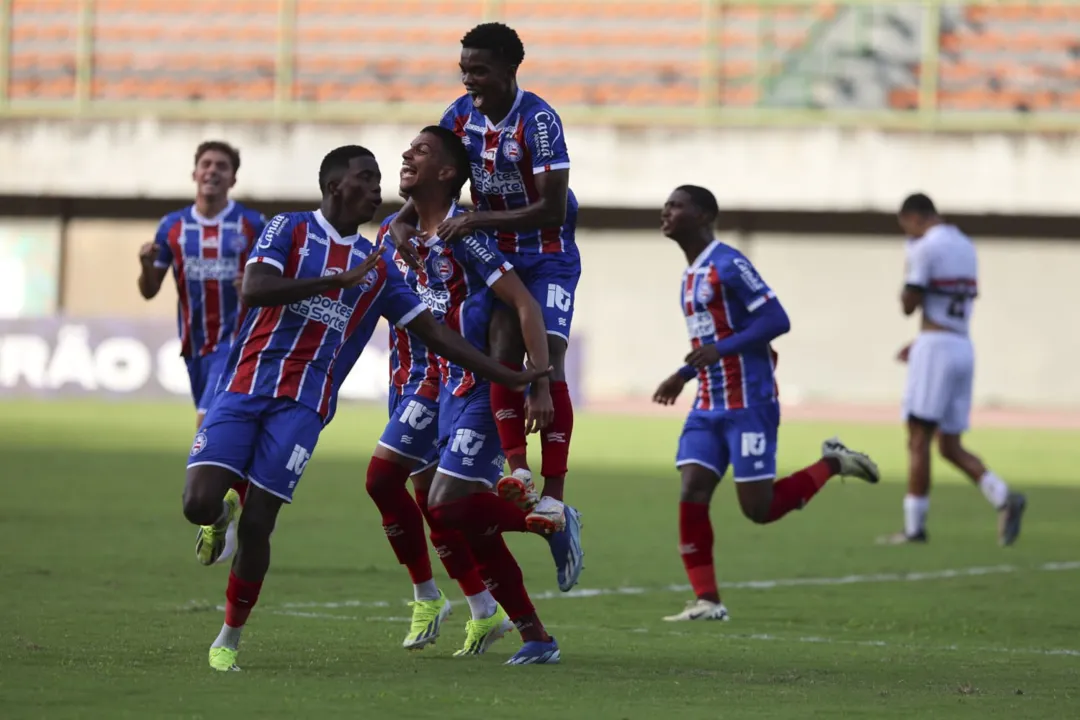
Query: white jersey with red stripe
[[719, 292], [943, 264], [506, 157], [304, 350]]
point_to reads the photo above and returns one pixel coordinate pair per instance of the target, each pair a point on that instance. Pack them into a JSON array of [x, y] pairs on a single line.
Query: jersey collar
[[217, 219], [696, 265], [435, 238], [513, 109], [333, 234]]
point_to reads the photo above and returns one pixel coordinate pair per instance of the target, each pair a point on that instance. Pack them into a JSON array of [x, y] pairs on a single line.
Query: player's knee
[[697, 488], [200, 506], [950, 448], [378, 483], [919, 440], [256, 525], [755, 512]]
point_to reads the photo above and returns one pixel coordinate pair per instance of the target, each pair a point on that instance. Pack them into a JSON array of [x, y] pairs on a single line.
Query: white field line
[[757, 637], [743, 585]]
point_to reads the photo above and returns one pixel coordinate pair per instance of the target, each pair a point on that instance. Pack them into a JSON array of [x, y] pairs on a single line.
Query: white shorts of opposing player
[[941, 375]]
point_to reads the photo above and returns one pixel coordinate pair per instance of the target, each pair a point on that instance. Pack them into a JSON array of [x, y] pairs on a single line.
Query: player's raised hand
[[354, 276], [148, 254], [669, 390], [539, 410], [905, 351], [703, 357], [455, 228], [405, 241]]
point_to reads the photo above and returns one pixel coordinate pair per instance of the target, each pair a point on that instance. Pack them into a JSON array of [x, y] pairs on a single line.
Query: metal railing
[[707, 110]]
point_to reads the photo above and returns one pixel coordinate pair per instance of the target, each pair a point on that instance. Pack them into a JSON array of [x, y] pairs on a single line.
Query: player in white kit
[[942, 279]]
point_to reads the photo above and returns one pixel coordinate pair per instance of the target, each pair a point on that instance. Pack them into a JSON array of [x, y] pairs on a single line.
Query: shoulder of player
[[477, 244], [181, 215], [461, 107]]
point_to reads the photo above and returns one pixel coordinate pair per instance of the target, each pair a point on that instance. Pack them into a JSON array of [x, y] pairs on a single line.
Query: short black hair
[[918, 204], [222, 147], [501, 40], [702, 199], [458, 154], [338, 160]]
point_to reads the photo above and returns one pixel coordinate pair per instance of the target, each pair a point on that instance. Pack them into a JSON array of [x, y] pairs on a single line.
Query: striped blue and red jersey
[[455, 284], [719, 292], [206, 255], [304, 350], [506, 157]]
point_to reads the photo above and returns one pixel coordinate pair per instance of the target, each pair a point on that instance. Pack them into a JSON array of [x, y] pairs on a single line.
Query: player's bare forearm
[[150, 280], [403, 224], [264, 286], [911, 298], [537, 215], [533, 332], [511, 291], [455, 348], [549, 210]]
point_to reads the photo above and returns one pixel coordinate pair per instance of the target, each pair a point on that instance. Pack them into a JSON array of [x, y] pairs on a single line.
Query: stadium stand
[[679, 53]]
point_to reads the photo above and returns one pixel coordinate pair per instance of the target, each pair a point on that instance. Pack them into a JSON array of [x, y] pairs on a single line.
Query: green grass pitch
[[106, 614]]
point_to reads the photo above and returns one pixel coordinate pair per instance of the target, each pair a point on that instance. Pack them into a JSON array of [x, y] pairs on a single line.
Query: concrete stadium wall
[[840, 293], [782, 169]]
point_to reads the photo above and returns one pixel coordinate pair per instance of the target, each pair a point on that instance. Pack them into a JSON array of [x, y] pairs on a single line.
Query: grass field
[[106, 613]]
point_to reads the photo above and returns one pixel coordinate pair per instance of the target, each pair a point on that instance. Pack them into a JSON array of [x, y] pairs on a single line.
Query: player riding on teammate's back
[[520, 185]]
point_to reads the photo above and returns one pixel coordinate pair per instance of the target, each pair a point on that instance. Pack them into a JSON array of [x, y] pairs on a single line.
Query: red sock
[[508, 407], [402, 521], [240, 598], [454, 552], [475, 516], [696, 548], [794, 491], [241, 486], [555, 441], [480, 510]]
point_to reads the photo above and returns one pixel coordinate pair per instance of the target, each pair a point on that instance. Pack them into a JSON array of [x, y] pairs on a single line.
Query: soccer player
[[460, 283], [942, 280], [520, 186], [206, 245], [732, 317], [316, 288]]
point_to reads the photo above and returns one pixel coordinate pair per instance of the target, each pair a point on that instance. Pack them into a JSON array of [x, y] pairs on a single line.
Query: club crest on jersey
[[512, 151], [239, 243], [444, 269], [369, 280], [704, 292], [199, 444]]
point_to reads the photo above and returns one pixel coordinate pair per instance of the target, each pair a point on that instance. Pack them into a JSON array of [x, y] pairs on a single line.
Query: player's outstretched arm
[[549, 210], [448, 344], [513, 293], [767, 323], [265, 287]]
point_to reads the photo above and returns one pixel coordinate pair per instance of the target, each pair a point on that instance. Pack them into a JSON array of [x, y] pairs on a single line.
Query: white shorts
[[941, 373]]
